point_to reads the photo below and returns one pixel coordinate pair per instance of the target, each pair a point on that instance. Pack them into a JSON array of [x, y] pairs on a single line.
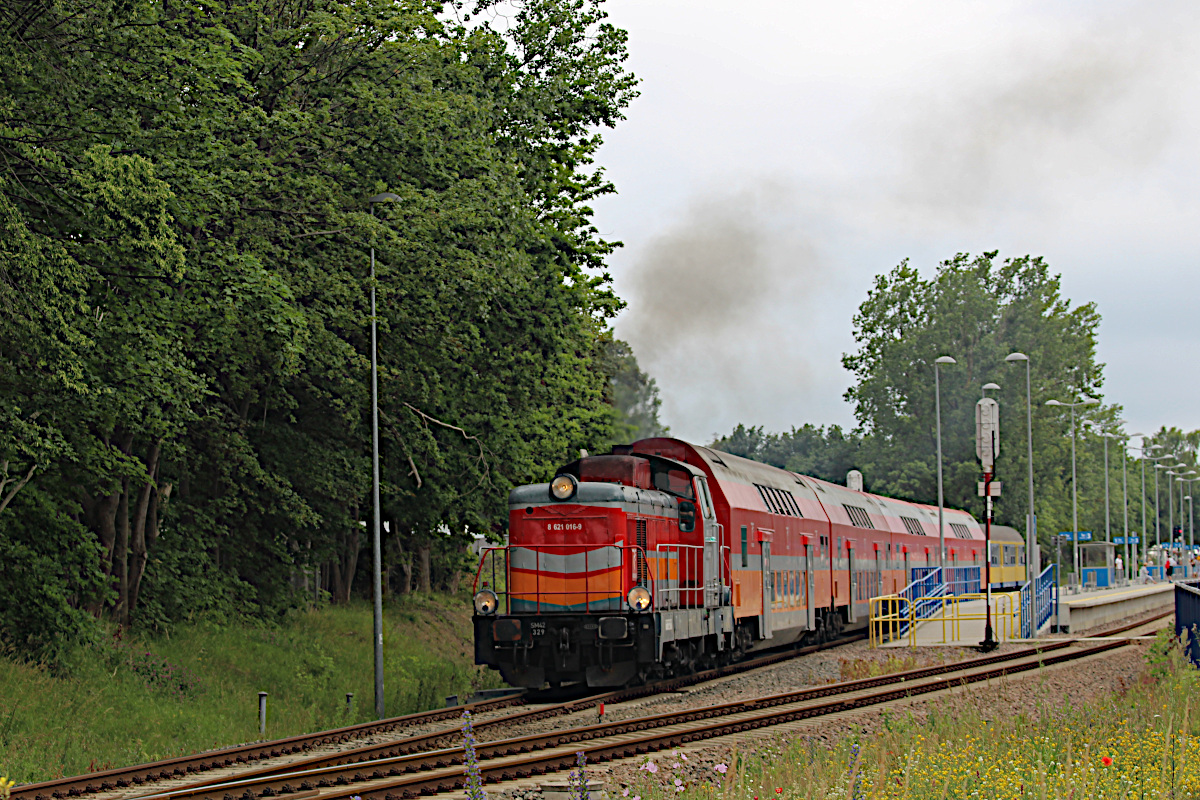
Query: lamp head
[[1054, 403], [1016, 357], [990, 386], [944, 360], [385, 197], [1088, 401]]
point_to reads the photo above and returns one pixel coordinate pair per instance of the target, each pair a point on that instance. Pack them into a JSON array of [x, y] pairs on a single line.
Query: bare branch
[[18, 487], [321, 233], [478, 443]]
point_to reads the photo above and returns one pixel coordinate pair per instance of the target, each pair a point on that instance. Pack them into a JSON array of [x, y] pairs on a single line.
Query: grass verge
[[138, 700]]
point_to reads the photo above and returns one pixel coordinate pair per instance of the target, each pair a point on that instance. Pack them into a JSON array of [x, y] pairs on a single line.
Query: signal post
[[987, 447]]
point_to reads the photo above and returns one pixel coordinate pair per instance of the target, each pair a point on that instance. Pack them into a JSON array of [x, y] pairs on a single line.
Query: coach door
[[808, 587], [768, 587], [853, 583]]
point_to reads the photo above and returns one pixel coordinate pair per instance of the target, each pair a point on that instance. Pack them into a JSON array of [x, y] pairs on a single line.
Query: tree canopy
[[185, 251]]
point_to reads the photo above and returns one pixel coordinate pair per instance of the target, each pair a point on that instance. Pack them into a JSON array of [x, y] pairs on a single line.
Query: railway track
[[383, 772], [247, 754]]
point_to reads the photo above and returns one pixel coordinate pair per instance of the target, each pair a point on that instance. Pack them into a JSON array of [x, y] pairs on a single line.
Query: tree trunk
[[121, 557], [147, 506], [424, 566], [343, 573]]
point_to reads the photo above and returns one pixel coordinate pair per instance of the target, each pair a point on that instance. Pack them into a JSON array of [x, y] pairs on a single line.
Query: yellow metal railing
[[893, 617]]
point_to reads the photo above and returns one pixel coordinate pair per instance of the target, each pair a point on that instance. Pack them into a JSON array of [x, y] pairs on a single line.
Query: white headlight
[[486, 603], [639, 598], [563, 487]]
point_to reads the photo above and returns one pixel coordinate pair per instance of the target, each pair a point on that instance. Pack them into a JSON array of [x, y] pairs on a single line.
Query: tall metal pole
[[377, 578], [1125, 503], [1074, 504], [1031, 537], [1033, 552], [1157, 513], [1145, 538], [937, 392], [1107, 529]]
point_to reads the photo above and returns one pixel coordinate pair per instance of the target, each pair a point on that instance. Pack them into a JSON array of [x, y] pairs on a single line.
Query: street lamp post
[[1033, 553], [1145, 536], [1086, 401], [1130, 551], [937, 391], [1191, 528], [377, 578]]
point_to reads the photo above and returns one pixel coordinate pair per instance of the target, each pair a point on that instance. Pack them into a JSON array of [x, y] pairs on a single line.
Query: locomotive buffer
[[987, 447]]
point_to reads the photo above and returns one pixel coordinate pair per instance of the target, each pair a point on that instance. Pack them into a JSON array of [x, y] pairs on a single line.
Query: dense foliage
[[978, 310], [185, 251]]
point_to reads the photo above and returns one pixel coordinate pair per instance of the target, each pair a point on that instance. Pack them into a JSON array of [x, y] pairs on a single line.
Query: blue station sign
[[1072, 536]]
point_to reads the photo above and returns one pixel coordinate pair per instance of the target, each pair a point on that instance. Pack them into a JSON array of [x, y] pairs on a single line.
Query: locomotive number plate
[[537, 628], [564, 526]]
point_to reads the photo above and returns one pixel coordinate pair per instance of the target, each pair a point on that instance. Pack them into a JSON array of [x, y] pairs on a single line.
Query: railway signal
[[987, 447]]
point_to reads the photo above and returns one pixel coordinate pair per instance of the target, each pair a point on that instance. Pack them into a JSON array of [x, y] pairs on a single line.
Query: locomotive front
[[593, 559]]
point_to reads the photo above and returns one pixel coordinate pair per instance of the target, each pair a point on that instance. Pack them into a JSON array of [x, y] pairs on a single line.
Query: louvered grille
[[641, 555], [912, 526]]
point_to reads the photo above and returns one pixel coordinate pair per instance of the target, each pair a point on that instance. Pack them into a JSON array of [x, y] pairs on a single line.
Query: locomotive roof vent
[[854, 480]]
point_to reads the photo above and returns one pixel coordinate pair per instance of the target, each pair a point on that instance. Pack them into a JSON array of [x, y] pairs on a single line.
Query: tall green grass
[[1141, 743], [137, 700]]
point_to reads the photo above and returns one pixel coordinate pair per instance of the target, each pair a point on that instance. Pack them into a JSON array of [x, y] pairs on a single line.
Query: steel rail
[[182, 766], [399, 758], [376, 780]]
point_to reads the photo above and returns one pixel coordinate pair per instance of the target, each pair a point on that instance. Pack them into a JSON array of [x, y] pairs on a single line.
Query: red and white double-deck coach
[[666, 556]]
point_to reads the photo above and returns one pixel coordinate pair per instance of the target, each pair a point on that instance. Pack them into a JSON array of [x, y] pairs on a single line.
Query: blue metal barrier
[[958, 580], [1187, 617], [1038, 600]]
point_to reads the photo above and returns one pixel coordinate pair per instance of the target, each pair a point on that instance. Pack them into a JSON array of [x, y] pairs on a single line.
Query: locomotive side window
[[745, 551], [687, 516], [705, 501]]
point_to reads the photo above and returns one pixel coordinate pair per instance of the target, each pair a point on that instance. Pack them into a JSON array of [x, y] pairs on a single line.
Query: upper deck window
[[859, 517], [960, 530], [912, 526], [780, 501]]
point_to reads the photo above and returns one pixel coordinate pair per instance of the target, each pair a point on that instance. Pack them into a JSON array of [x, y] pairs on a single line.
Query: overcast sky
[[783, 153]]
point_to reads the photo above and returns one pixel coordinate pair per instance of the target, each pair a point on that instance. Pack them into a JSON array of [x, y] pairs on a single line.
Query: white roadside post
[[987, 447]]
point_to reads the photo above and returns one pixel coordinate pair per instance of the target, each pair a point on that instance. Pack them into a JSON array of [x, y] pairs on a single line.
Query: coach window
[[745, 553]]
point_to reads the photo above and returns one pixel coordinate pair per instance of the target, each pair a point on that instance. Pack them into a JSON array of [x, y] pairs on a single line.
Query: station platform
[[1078, 612], [962, 624]]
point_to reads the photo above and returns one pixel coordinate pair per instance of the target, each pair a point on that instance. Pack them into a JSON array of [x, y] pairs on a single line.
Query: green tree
[[183, 196], [977, 310]]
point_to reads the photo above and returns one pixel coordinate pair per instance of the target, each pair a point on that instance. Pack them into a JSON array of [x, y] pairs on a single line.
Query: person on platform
[[1170, 567], [1119, 565]]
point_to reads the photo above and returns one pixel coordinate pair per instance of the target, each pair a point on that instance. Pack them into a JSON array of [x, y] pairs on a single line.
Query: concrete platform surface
[[1078, 612]]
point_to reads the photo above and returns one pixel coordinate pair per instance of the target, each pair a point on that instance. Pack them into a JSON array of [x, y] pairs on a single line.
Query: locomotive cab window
[[745, 551], [673, 480]]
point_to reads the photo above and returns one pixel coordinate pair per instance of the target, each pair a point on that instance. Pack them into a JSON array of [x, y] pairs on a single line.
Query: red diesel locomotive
[[663, 557]]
